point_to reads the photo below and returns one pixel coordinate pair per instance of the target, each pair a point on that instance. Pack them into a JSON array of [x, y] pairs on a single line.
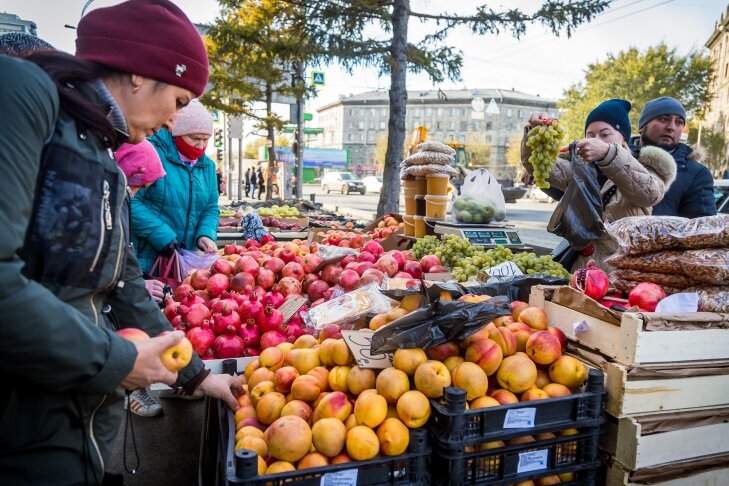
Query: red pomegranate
[[228, 346], [591, 281], [198, 316], [226, 322], [646, 295], [201, 339]]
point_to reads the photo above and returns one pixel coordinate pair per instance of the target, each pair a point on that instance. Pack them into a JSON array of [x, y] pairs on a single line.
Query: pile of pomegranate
[[232, 309]]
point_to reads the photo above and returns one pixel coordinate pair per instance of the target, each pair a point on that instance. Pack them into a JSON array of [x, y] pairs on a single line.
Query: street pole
[[299, 134], [240, 169]]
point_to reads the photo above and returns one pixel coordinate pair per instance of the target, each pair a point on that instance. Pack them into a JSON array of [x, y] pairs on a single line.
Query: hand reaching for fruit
[[148, 367], [206, 244], [223, 387]]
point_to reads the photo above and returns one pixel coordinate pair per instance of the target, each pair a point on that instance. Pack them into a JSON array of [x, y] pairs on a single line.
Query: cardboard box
[[373, 225]]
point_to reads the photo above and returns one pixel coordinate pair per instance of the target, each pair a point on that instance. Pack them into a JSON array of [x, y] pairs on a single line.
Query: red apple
[[132, 334]]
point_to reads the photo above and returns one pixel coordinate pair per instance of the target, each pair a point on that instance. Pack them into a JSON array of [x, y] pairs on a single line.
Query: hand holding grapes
[[592, 149], [544, 140], [537, 118]]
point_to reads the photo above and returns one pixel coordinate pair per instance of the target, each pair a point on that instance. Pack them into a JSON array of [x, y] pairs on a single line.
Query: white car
[[373, 183], [344, 182], [721, 194]]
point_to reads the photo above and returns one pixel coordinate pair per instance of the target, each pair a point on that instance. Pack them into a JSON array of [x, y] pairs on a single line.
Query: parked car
[[373, 183], [345, 182], [721, 193]]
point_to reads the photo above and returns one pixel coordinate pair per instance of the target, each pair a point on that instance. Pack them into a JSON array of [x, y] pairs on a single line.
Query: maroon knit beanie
[[151, 38]]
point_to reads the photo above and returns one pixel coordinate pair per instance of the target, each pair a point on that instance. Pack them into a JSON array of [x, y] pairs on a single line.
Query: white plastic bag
[[195, 260], [481, 200]]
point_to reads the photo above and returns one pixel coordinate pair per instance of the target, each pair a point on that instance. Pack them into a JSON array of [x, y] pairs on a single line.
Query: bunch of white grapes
[[545, 141]]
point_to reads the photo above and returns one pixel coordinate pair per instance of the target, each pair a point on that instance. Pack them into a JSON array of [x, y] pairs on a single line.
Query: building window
[[371, 124], [361, 137], [349, 137], [439, 112], [509, 113], [489, 125], [518, 114], [464, 111], [428, 112], [438, 136], [373, 112], [361, 125], [464, 126], [451, 125], [488, 138], [351, 125], [382, 125], [370, 137], [451, 136], [462, 138], [383, 112], [452, 112], [476, 126], [351, 112], [438, 125]]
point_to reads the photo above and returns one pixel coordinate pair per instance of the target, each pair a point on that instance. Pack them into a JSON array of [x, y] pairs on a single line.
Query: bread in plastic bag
[[669, 279], [710, 265], [644, 234], [435, 147], [348, 307], [481, 200], [712, 298], [423, 158]]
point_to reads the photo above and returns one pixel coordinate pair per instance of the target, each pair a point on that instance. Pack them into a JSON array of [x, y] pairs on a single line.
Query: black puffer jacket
[[692, 194]]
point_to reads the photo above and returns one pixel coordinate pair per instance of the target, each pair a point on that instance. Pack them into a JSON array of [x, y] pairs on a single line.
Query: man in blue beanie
[[692, 195]]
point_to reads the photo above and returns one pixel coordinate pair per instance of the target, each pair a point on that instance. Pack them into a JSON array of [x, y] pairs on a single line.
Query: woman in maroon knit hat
[[68, 278]]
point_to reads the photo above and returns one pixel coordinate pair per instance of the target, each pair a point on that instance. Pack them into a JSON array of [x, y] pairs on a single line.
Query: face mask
[[189, 151]]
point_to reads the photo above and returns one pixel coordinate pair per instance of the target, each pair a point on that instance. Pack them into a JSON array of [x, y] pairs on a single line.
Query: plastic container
[[409, 226], [421, 185], [419, 206], [430, 226], [419, 226], [436, 207], [437, 184], [410, 206], [241, 467], [409, 188]]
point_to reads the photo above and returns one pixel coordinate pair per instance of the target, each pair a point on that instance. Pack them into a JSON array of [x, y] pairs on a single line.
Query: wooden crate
[[629, 343], [617, 476], [628, 444]]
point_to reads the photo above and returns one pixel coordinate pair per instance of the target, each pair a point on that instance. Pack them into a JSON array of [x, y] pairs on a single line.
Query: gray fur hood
[[660, 162]]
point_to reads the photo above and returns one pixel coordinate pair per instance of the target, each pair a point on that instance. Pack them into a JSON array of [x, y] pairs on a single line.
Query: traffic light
[[219, 138], [219, 155]]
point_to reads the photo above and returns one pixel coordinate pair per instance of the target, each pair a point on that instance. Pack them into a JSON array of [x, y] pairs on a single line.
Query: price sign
[[289, 308], [359, 344], [506, 269], [520, 418], [340, 478], [532, 461]]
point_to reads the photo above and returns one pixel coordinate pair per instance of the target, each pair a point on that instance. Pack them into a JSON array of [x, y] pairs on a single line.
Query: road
[[529, 216]]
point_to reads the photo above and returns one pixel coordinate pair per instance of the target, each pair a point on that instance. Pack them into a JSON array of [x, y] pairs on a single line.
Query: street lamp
[[83, 11]]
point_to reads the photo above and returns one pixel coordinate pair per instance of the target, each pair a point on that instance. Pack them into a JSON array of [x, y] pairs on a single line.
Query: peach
[[289, 357], [313, 459], [322, 376], [330, 331], [341, 355], [251, 367], [411, 302], [360, 379], [333, 405], [391, 383], [338, 378], [268, 408], [431, 378], [503, 321], [542, 379], [517, 373], [326, 352], [255, 444], [306, 388], [271, 358], [362, 443], [285, 348], [535, 318], [568, 371], [491, 445], [479, 335], [328, 436], [396, 313], [280, 467], [547, 480], [250, 422], [525, 439], [517, 307], [519, 326], [289, 438], [521, 340], [394, 437], [260, 390], [561, 337], [566, 477], [319, 399], [556, 390], [443, 351], [504, 338], [378, 321], [259, 375], [544, 436], [452, 362], [470, 377], [350, 422], [504, 397], [248, 430], [413, 408], [408, 360], [484, 402], [370, 409], [340, 458], [305, 341], [283, 378], [487, 354], [262, 465], [305, 360], [244, 412], [534, 393], [543, 348], [298, 408]]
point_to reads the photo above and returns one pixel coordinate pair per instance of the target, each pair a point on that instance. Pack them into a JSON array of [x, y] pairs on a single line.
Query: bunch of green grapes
[[425, 246], [544, 140], [453, 249], [531, 264]]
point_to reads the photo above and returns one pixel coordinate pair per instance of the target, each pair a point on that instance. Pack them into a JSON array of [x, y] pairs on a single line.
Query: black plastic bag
[[436, 324], [515, 288], [565, 255], [578, 215]]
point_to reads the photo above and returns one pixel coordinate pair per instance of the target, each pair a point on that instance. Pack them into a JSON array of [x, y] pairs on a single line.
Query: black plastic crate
[[241, 467], [510, 464], [452, 425]]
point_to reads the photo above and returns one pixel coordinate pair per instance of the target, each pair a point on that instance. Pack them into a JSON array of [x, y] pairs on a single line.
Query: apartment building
[[717, 117]]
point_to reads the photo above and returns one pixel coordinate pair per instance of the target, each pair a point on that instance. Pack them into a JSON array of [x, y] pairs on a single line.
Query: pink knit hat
[[194, 118], [140, 163]]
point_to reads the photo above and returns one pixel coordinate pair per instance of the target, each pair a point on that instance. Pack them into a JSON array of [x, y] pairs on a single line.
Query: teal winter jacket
[[182, 206]]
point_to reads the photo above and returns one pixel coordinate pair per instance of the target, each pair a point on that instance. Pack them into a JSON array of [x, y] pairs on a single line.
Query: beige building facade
[[717, 117]]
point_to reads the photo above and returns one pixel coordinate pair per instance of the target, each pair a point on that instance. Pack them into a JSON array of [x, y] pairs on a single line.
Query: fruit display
[[386, 227], [272, 222], [544, 140], [466, 260], [468, 210], [279, 211]]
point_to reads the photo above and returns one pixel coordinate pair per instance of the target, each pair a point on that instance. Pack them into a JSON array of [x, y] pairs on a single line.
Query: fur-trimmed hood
[[660, 161]]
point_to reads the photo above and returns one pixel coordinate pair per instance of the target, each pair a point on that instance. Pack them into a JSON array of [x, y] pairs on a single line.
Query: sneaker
[[143, 404]]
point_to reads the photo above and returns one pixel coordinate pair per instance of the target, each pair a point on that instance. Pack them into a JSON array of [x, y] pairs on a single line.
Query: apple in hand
[[132, 334], [178, 356]]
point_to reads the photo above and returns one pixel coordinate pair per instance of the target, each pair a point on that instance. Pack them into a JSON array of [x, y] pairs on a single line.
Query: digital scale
[[488, 235]]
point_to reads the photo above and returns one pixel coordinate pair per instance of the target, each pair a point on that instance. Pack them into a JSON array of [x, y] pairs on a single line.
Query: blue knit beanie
[[613, 112], [665, 105]]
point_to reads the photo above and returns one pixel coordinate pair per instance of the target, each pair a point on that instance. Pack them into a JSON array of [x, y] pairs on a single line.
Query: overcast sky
[[538, 63]]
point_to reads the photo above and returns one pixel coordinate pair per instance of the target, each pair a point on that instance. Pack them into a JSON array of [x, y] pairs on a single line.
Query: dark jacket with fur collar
[[692, 194]]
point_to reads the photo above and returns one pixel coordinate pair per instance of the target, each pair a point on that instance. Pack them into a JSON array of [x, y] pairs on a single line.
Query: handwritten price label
[[359, 344], [506, 269]]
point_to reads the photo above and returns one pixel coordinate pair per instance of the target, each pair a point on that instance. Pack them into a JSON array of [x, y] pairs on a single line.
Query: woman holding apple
[[68, 277]]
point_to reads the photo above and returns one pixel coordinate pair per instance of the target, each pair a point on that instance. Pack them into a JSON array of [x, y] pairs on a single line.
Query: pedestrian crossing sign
[[317, 78]]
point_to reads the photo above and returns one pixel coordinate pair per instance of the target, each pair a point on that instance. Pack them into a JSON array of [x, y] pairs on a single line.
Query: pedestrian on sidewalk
[[66, 288], [247, 182], [254, 180], [261, 183]]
